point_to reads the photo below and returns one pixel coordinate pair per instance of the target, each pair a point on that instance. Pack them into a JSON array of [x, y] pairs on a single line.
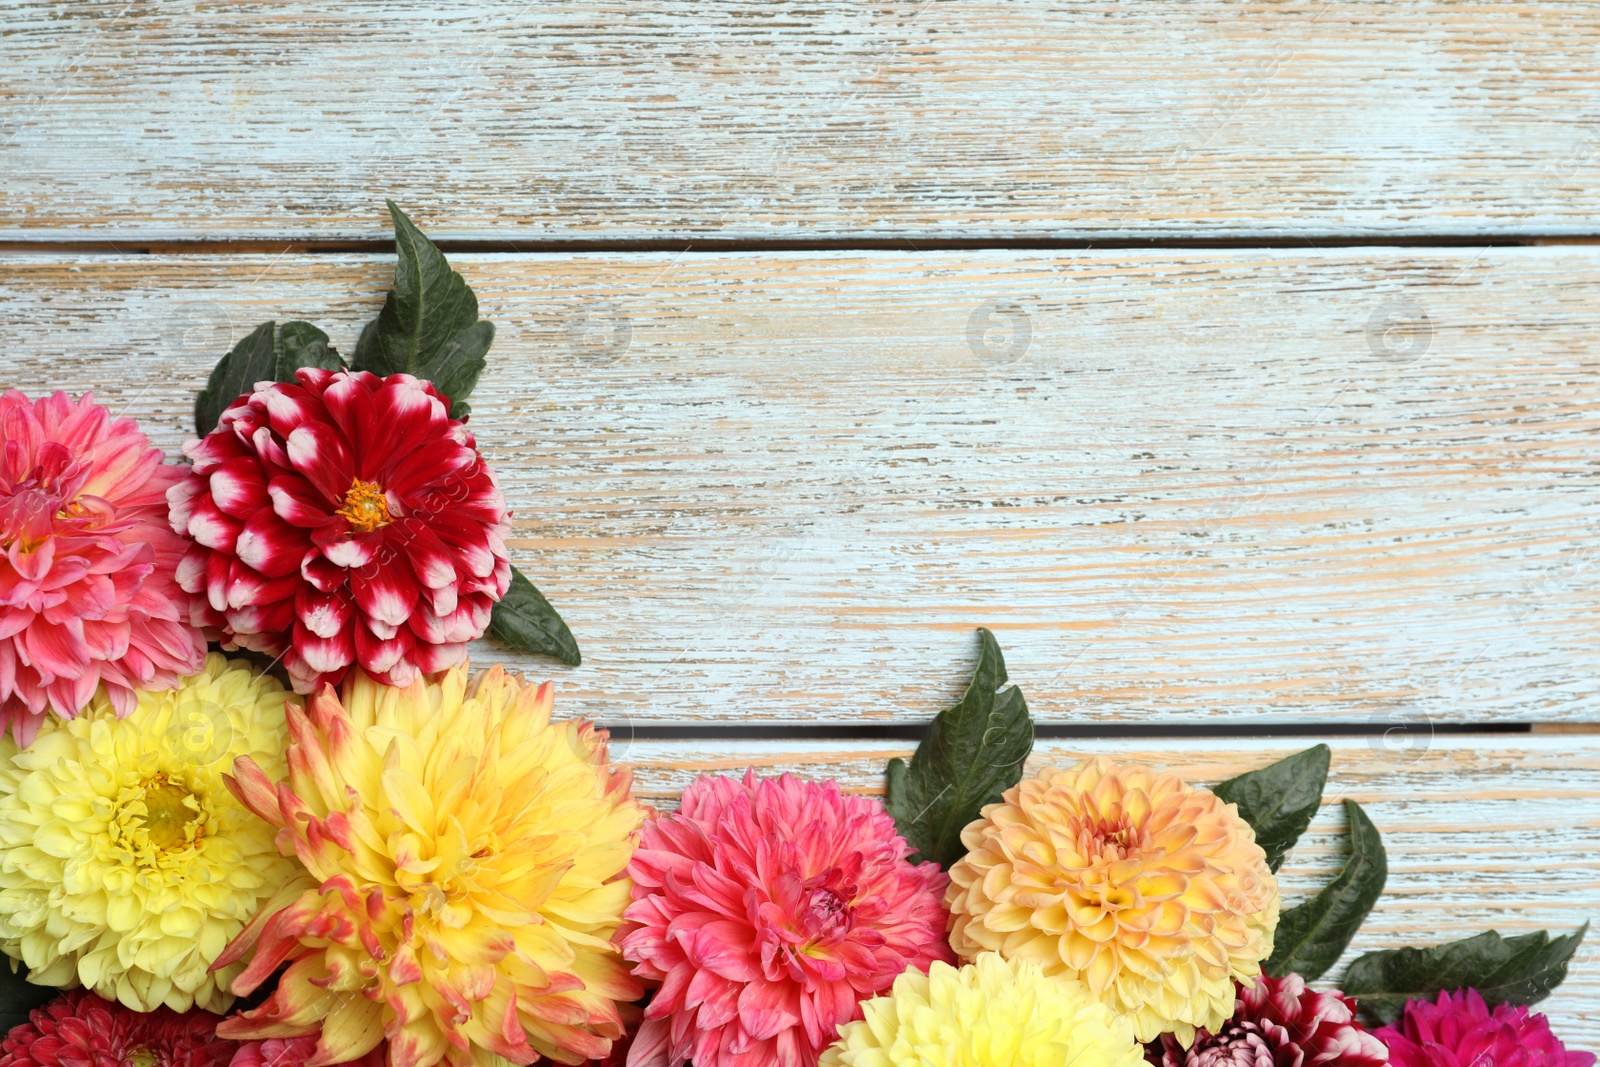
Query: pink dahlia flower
[[81, 1030], [295, 1052], [1459, 1030], [88, 593], [768, 910], [1278, 1022], [343, 519]]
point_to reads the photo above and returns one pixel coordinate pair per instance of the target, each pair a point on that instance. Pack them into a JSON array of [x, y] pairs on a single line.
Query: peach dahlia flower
[[1152, 893], [466, 862]]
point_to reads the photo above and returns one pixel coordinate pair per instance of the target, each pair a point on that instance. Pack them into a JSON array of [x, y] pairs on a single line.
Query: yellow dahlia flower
[[995, 1013], [125, 862], [466, 862], [1153, 893]]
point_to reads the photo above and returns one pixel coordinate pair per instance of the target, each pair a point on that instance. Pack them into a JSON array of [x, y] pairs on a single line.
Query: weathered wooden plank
[[1179, 486], [662, 119], [1482, 833]]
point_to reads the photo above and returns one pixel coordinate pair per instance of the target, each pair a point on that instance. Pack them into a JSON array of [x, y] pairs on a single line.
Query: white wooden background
[[1234, 362]]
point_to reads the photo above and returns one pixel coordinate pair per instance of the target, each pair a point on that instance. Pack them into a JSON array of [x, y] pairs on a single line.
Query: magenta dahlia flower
[[768, 910], [343, 519], [1459, 1030], [295, 1052], [80, 1030], [1278, 1022], [88, 587]]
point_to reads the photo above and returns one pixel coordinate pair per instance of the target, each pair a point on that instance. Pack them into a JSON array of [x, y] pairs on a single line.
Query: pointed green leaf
[[1506, 970], [525, 620], [254, 359], [268, 353], [1312, 936], [1279, 801], [971, 754], [429, 325], [301, 344]]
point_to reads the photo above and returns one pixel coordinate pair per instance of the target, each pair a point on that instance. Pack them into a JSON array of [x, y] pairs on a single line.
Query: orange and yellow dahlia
[[1152, 893], [466, 867]]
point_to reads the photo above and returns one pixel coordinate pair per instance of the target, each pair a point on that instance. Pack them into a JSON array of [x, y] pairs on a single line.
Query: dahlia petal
[[388, 594], [298, 503], [325, 654], [270, 545], [318, 452], [323, 614], [377, 655], [209, 526], [351, 553]]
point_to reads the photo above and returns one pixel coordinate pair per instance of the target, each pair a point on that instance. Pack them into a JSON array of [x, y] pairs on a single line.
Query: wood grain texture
[[1481, 833], [923, 119], [787, 487]]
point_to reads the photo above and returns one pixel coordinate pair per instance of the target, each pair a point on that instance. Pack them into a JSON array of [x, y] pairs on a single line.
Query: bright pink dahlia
[[295, 1052], [80, 1030], [88, 593], [768, 910], [344, 518], [1278, 1022], [1459, 1030]]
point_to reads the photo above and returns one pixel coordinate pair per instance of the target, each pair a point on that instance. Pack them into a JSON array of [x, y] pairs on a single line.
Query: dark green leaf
[[971, 754], [429, 326], [1312, 936], [1506, 970], [301, 344], [268, 353], [254, 359], [18, 997], [1279, 801], [525, 620]]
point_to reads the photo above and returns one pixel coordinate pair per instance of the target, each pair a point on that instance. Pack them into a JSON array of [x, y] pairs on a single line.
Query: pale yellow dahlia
[[993, 1013], [1153, 893], [126, 864], [466, 862]]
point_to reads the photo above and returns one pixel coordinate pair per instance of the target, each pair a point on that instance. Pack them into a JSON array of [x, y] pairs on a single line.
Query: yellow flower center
[[168, 816], [365, 507], [143, 1057]]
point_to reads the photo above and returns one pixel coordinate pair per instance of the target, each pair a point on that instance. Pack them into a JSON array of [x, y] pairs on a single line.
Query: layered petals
[[81, 1030], [89, 593], [1459, 1030], [1152, 893], [767, 911], [993, 1013], [343, 520], [1279, 1022], [126, 864], [466, 866]]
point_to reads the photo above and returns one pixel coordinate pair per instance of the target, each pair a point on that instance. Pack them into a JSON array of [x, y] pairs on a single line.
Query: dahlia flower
[[994, 1013], [293, 1052], [768, 910], [125, 863], [1156, 895], [466, 863], [88, 593], [343, 519], [1278, 1022], [1459, 1030], [79, 1029]]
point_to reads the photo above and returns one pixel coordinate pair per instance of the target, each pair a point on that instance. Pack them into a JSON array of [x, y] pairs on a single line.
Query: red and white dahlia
[[768, 910], [1278, 1022], [342, 519], [81, 1030], [88, 593]]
